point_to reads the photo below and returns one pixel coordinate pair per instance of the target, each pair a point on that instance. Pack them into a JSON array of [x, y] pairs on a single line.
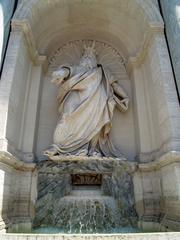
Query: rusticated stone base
[[55, 184]]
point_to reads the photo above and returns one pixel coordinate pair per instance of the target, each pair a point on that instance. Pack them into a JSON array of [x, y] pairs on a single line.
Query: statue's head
[[89, 57]]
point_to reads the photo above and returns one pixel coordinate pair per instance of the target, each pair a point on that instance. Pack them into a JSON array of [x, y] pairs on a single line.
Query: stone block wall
[[17, 193], [157, 193]]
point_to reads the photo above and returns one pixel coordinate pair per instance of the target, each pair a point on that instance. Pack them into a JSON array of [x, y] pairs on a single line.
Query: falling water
[[90, 207], [87, 211]]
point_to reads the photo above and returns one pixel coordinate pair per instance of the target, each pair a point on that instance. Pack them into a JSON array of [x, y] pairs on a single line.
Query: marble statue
[[88, 94]]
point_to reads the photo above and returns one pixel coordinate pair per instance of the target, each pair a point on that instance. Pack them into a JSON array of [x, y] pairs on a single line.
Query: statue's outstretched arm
[[60, 74]]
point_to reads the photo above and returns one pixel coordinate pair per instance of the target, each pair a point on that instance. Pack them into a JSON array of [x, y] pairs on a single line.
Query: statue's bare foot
[[95, 153], [51, 152], [82, 152]]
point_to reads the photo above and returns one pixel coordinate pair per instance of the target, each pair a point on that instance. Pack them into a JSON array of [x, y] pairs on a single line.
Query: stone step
[[137, 236], [83, 193]]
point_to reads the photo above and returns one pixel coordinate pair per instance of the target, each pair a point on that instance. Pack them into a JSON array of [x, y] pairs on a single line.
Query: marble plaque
[[86, 179]]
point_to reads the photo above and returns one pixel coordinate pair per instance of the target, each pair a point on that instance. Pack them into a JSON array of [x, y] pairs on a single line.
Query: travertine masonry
[[157, 195], [17, 193], [145, 236], [149, 132]]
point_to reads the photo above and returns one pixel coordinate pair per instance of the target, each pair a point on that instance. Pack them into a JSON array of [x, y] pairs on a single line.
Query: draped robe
[[86, 104]]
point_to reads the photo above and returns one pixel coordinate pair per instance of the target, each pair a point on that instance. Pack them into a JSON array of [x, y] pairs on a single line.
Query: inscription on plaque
[[86, 179]]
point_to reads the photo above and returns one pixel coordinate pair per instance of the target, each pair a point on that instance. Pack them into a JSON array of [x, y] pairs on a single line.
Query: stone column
[[171, 14]]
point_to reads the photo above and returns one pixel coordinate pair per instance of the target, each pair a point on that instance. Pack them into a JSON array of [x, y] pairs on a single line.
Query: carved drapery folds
[[88, 93]]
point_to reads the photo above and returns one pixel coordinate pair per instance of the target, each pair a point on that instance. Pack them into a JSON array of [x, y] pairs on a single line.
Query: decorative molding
[[25, 27], [10, 160], [7, 146], [78, 45], [136, 60], [133, 61], [131, 166], [166, 159], [106, 55], [61, 158]]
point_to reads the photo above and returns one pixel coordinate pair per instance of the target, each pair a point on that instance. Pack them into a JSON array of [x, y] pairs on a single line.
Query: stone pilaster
[[166, 95]]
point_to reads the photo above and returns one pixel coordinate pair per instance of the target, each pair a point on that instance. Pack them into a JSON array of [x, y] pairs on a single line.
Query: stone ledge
[[84, 158], [130, 236], [166, 159], [8, 159], [24, 26], [136, 60], [131, 167]]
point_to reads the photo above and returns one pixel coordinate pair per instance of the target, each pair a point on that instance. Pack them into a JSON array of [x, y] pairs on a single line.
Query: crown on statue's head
[[89, 50], [88, 59]]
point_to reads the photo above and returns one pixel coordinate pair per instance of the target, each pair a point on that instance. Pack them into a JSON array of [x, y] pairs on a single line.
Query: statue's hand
[[59, 75], [125, 101], [121, 97]]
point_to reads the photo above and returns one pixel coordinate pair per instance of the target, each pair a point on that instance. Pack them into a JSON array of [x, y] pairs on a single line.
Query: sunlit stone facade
[[148, 134]]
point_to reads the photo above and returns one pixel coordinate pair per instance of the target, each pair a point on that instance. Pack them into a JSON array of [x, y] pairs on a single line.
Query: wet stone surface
[[58, 205]]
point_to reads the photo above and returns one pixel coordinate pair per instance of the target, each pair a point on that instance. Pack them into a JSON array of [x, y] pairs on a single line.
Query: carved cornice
[[29, 38], [169, 158], [8, 159], [136, 60], [166, 159], [132, 61]]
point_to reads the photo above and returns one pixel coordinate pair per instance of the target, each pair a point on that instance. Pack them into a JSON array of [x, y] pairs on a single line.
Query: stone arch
[[25, 9], [115, 20]]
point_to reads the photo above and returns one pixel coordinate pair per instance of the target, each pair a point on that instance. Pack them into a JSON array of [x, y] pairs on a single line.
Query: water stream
[[86, 211], [74, 206]]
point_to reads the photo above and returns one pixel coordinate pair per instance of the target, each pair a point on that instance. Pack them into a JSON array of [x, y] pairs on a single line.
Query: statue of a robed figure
[[88, 94]]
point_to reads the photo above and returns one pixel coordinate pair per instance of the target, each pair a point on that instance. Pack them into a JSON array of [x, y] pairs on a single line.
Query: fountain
[[85, 213], [88, 195], [83, 154]]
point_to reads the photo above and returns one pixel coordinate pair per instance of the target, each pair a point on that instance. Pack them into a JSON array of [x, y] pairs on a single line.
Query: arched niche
[[124, 21], [133, 27], [123, 127]]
